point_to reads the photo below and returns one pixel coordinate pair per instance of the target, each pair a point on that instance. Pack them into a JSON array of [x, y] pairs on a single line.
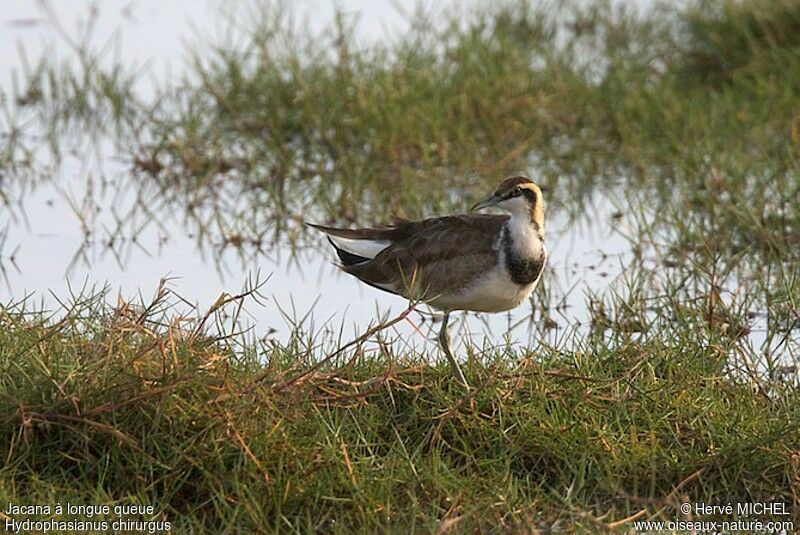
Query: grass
[[683, 388], [143, 410]]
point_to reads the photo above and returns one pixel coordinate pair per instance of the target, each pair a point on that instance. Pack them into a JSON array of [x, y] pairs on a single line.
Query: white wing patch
[[366, 248]]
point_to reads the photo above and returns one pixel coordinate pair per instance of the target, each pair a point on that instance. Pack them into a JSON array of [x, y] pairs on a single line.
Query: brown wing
[[435, 256]]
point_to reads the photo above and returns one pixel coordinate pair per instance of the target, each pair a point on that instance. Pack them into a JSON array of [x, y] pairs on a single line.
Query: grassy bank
[[682, 388], [123, 406]]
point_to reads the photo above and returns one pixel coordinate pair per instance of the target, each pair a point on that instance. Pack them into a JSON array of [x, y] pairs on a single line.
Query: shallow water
[[52, 252], [89, 224]]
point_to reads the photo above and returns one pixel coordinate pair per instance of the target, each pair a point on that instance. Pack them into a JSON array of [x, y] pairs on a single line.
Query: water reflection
[[81, 216], [108, 228]]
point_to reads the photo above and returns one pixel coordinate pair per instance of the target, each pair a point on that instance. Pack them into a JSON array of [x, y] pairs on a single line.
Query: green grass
[[684, 387], [288, 126], [123, 406]]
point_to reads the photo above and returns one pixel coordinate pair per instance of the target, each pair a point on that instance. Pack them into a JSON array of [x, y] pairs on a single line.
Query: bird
[[475, 261]]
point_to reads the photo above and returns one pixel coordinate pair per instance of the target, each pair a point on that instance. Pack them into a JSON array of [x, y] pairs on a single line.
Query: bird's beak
[[489, 200]]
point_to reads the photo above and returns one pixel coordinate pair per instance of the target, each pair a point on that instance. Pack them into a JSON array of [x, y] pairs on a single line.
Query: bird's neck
[[526, 234], [523, 248]]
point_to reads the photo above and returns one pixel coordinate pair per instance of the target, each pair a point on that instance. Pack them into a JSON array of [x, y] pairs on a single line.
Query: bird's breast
[[493, 292], [524, 271], [523, 254]]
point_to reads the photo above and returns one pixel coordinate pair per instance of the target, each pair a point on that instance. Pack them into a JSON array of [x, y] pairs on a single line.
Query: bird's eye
[[517, 191]]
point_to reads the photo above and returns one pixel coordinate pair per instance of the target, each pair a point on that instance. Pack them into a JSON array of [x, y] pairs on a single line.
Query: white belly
[[495, 292]]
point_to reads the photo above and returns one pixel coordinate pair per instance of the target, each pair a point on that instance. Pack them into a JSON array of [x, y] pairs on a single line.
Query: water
[[86, 226], [52, 252]]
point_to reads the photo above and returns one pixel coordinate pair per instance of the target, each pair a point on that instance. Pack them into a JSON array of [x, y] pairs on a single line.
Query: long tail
[[356, 246]]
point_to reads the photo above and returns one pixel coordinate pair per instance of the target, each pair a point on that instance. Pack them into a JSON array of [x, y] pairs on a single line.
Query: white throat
[[526, 239]]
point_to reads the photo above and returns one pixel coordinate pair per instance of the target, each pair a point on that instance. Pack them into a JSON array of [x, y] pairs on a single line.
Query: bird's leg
[[444, 341]]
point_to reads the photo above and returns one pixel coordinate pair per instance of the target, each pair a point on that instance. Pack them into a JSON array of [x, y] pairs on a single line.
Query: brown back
[[440, 255]]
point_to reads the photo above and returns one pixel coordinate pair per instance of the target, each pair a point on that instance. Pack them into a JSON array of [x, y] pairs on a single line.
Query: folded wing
[[421, 259]]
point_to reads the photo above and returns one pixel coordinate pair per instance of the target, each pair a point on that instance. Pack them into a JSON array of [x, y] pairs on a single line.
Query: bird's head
[[518, 196]]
